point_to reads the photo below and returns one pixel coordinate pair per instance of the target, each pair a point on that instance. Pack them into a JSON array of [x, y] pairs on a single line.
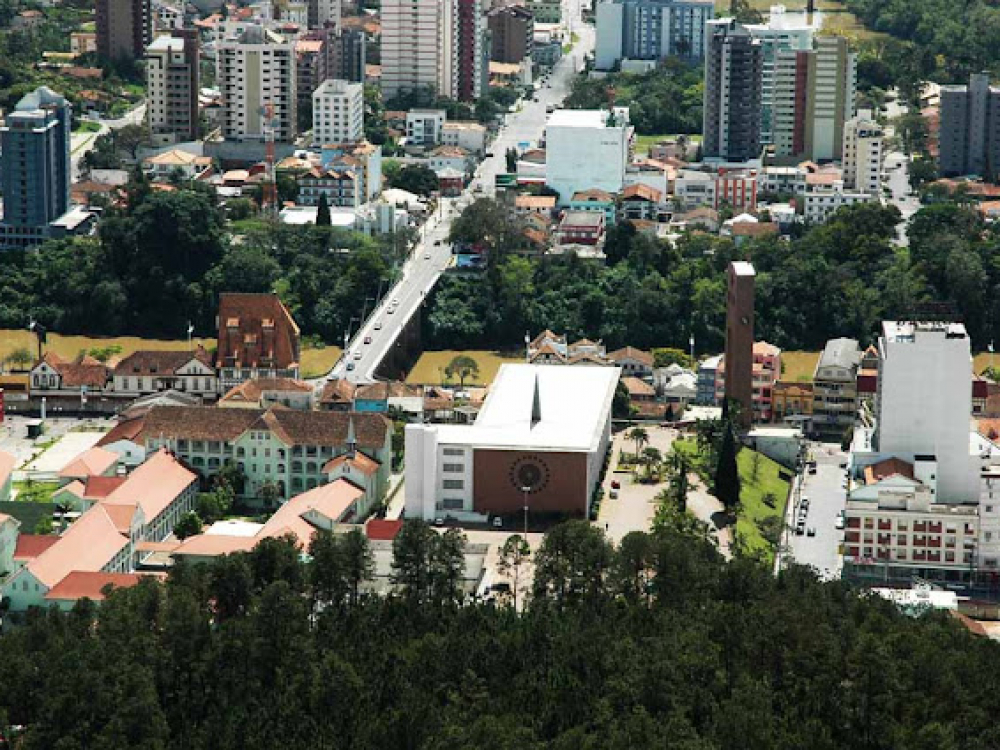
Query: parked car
[[368, 339], [357, 355], [497, 522], [811, 531], [378, 325], [839, 523], [615, 484], [350, 366], [800, 530], [613, 494]]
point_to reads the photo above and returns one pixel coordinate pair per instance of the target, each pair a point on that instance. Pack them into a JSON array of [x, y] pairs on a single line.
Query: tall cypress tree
[[727, 474], [323, 212]]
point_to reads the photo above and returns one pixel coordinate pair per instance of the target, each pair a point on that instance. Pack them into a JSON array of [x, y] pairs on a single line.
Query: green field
[[88, 126], [314, 361], [798, 366], [643, 142], [429, 369]]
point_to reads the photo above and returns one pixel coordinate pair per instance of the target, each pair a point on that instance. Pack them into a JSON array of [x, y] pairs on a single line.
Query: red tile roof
[[159, 362], [887, 468], [642, 192], [252, 391], [630, 352], [157, 483], [359, 462], [98, 488], [129, 429], [338, 391], [30, 546], [383, 529], [254, 328], [90, 585], [93, 461]]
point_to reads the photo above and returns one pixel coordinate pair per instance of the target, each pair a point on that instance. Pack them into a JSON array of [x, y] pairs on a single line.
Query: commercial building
[[35, 167], [539, 442], [172, 78], [739, 337], [732, 99], [257, 338], [650, 30], [338, 110], [969, 132], [124, 28], [256, 74], [512, 33], [835, 388], [862, 162], [587, 149], [468, 135]]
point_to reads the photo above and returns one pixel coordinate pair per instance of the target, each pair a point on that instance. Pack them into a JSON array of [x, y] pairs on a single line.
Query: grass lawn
[[798, 366], [643, 142], [428, 369], [314, 361], [34, 492], [88, 126], [753, 508]]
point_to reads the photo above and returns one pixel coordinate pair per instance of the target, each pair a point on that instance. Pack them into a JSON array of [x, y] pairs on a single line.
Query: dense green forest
[[945, 40], [163, 260], [658, 643], [664, 101], [838, 279]]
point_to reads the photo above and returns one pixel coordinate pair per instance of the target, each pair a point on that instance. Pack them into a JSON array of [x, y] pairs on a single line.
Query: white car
[[378, 325], [427, 256], [357, 355]]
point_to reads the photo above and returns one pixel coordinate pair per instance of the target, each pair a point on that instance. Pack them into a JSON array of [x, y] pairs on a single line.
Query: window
[[453, 484], [452, 503], [453, 468], [454, 452]]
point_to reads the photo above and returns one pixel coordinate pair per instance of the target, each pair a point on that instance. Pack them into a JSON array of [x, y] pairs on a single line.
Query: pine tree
[[323, 212], [727, 475]]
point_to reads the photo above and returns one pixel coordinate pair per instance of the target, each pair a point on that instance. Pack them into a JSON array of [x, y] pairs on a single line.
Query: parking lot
[[826, 497]]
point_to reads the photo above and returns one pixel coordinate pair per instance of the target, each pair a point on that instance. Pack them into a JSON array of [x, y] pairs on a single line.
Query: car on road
[[615, 484], [437, 243], [427, 256], [800, 529], [489, 155], [378, 325], [613, 494], [550, 108], [350, 366], [395, 301], [368, 339], [357, 355], [811, 531], [390, 311], [839, 523]]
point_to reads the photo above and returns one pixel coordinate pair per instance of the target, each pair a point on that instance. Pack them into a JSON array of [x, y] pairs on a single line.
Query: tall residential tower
[[733, 67]]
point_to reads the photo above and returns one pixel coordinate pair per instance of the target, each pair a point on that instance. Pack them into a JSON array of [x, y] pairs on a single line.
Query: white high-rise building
[[862, 161], [924, 400], [255, 72], [586, 149], [172, 71], [338, 112], [413, 34]]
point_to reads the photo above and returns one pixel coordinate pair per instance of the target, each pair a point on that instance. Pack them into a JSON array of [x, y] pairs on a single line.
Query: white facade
[[424, 126], [693, 189], [468, 135], [924, 400], [862, 161], [255, 70], [649, 30], [833, 90], [338, 112], [819, 205], [587, 149], [172, 100]]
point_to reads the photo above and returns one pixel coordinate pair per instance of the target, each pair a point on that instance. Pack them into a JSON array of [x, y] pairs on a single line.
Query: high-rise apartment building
[[650, 30], [862, 162], [324, 14], [969, 134], [512, 33], [831, 90], [338, 112], [124, 28], [172, 75], [739, 337], [733, 67], [438, 45], [35, 171], [256, 74]]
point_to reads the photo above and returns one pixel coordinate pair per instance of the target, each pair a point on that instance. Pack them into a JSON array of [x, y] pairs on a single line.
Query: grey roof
[[840, 353]]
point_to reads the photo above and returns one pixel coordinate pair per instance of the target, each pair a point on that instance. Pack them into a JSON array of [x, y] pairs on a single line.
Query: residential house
[[338, 395], [262, 393], [93, 462], [386, 396], [449, 157], [641, 202], [633, 362], [166, 165], [677, 386], [280, 447], [693, 189], [708, 371], [598, 201], [835, 387], [30, 546], [703, 218], [468, 135], [257, 338], [363, 159], [55, 376], [424, 126], [581, 228], [451, 182], [152, 371], [541, 205], [766, 371], [791, 401]]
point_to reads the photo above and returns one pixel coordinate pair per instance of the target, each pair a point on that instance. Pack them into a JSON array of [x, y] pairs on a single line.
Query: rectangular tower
[[732, 108], [739, 338], [172, 71], [124, 28]]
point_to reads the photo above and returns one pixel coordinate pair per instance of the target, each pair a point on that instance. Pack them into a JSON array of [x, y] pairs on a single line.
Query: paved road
[[432, 254], [827, 498], [897, 177], [81, 143]]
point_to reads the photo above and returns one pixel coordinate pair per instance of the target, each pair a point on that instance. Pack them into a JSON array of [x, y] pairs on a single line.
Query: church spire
[[536, 405]]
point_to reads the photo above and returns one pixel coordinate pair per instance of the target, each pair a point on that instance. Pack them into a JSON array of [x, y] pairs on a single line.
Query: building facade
[[587, 149], [338, 112], [862, 160], [36, 167], [257, 338], [739, 337], [732, 99], [412, 40], [650, 30], [124, 28], [172, 78], [969, 131], [835, 387], [256, 74], [512, 33]]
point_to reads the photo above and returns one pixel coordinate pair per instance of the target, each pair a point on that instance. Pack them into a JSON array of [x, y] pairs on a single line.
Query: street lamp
[[526, 491]]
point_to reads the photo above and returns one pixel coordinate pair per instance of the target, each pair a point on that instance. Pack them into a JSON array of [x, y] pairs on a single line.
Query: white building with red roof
[[92, 462], [9, 527]]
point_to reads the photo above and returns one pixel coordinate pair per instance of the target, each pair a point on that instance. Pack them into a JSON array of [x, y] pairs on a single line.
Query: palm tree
[[652, 460], [640, 437]]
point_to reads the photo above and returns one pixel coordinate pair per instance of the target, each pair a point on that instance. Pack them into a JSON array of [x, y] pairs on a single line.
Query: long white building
[[587, 148], [338, 112], [255, 72]]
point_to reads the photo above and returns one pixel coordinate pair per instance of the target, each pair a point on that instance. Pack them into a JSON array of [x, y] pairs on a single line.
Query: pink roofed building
[[766, 372]]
